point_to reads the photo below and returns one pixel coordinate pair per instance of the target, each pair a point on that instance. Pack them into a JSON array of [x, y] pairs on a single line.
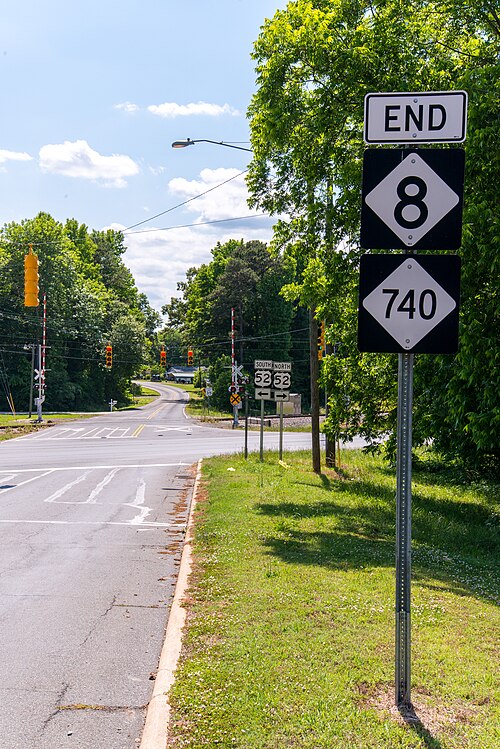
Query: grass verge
[[289, 641]]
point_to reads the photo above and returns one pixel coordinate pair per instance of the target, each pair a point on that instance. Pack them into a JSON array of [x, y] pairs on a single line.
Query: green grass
[[290, 629], [147, 395]]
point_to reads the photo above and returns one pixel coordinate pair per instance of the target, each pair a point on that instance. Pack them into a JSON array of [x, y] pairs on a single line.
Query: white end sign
[[425, 117]]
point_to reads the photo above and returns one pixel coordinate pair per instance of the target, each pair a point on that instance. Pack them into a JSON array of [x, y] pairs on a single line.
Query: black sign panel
[[409, 303], [412, 199]]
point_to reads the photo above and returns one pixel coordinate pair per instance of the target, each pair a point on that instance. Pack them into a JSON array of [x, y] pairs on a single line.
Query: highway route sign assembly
[[409, 303], [412, 199], [272, 380]]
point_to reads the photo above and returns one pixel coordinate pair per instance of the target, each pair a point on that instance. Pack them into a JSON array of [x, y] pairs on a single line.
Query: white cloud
[[78, 159], [128, 107], [170, 109], [14, 156], [227, 201], [159, 257]]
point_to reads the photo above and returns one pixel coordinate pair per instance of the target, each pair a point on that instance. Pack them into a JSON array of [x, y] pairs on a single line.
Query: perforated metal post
[[403, 530]]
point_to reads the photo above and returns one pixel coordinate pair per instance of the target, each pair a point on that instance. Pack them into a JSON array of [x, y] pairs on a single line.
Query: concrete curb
[[155, 732]]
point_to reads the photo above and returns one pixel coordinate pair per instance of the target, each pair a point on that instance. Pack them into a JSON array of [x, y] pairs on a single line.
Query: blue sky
[[94, 93]]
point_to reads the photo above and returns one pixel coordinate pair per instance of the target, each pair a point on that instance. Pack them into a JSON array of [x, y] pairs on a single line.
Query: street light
[[190, 142]]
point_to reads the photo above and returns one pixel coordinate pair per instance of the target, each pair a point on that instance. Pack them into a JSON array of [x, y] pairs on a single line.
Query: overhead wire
[[185, 202]]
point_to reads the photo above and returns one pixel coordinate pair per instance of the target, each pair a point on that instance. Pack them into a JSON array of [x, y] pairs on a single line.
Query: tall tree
[[315, 62]]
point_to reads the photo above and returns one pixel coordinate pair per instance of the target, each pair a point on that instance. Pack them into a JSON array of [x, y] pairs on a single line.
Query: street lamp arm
[[190, 142]]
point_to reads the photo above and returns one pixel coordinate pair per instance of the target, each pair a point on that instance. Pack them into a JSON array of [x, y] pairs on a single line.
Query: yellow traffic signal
[[321, 340], [31, 280], [109, 356], [190, 358], [163, 358]]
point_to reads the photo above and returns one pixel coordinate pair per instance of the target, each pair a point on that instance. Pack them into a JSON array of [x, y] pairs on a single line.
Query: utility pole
[[234, 378]]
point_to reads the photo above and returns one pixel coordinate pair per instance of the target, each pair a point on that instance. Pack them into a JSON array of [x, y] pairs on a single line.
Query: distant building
[[181, 374]]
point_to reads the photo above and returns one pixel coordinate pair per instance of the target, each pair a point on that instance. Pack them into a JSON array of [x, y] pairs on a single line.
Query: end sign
[[428, 117]]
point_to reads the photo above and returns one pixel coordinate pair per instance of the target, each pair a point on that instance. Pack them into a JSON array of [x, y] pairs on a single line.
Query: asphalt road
[[92, 519]]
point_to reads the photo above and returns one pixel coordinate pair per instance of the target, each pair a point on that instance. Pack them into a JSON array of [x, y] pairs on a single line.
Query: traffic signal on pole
[[109, 356], [321, 340], [190, 358], [163, 358], [31, 280]]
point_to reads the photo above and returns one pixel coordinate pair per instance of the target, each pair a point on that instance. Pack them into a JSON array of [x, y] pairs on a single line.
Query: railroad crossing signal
[[109, 356], [412, 199], [234, 399], [409, 303]]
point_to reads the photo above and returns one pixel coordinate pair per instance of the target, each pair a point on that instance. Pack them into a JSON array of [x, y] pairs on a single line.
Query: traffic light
[[109, 356], [321, 340], [163, 358], [190, 358], [31, 280]]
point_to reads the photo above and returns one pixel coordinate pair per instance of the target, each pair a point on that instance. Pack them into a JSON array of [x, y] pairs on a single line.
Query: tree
[[91, 298], [315, 62]]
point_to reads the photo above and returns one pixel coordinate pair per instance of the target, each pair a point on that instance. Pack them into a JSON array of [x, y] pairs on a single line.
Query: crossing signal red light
[[190, 358], [109, 356], [31, 280]]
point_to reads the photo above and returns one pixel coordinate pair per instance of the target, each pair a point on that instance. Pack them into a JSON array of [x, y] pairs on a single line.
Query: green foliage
[[246, 277], [315, 62], [91, 301]]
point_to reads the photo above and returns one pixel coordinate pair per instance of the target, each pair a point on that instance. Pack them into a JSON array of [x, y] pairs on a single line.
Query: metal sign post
[[411, 200], [403, 529], [281, 431], [261, 431]]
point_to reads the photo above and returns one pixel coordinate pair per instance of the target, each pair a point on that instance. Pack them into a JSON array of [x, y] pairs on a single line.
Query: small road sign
[[263, 377], [263, 394], [234, 399], [429, 117], [209, 391], [237, 371], [281, 395], [282, 366], [282, 380], [263, 364], [409, 304], [412, 199]]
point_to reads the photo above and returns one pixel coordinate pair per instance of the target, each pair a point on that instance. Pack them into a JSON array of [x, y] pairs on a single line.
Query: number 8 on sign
[[409, 199]]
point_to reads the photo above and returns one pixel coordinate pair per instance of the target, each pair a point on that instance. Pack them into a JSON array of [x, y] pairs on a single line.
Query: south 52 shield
[[409, 303]]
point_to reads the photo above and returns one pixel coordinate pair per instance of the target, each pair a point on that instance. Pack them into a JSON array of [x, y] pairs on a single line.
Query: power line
[[185, 202], [199, 223]]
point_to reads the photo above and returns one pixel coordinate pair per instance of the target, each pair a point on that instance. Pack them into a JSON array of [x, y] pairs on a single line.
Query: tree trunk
[[329, 442], [313, 346]]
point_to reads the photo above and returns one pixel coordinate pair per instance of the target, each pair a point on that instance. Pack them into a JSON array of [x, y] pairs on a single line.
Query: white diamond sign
[[409, 302], [412, 199]]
